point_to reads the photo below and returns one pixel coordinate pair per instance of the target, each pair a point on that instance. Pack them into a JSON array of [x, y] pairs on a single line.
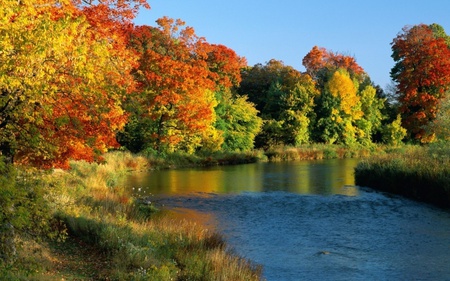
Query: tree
[[340, 107], [238, 121], [264, 83], [297, 111], [284, 97], [439, 128], [179, 75], [372, 107], [319, 62], [394, 133], [422, 74], [61, 84]]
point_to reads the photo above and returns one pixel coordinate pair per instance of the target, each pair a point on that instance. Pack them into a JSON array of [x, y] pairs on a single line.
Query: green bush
[[24, 211]]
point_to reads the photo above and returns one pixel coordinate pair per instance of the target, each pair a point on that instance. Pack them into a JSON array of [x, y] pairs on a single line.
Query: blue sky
[[287, 30]]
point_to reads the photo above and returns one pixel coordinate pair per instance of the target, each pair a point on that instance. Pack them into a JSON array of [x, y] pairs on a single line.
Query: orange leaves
[[225, 65], [176, 80], [422, 73], [319, 58], [64, 85]]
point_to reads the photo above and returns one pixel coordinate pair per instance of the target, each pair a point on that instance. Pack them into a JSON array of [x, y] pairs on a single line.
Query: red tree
[[422, 73], [320, 58]]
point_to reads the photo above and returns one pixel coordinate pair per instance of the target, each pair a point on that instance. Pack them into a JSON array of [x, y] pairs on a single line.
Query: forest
[[84, 79], [78, 79]]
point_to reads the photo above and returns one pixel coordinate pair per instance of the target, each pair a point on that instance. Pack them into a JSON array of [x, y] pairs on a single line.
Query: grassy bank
[[320, 151], [125, 237], [183, 160], [420, 173]]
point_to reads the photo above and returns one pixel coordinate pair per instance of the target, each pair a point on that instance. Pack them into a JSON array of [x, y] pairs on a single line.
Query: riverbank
[[275, 154], [128, 238], [92, 211], [420, 173]]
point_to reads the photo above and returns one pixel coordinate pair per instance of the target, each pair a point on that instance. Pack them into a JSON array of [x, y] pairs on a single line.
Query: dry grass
[[421, 173], [137, 243]]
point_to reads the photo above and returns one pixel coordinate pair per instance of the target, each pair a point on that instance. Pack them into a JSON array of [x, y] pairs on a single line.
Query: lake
[[306, 220]]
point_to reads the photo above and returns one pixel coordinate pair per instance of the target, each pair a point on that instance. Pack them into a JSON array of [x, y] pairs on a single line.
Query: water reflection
[[362, 236], [324, 177]]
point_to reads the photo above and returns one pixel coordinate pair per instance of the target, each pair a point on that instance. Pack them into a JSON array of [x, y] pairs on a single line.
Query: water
[[307, 220]]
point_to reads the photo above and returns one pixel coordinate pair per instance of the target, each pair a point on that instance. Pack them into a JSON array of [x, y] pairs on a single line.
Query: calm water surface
[[307, 221]]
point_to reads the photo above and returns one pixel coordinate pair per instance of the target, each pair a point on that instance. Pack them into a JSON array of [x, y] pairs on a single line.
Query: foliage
[[422, 74], [284, 99], [60, 83], [136, 243], [238, 121], [371, 121], [178, 75], [394, 133], [439, 128], [319, 61], [24, 211]]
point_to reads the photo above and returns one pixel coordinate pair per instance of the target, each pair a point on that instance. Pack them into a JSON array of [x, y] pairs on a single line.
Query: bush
[[24, 211]]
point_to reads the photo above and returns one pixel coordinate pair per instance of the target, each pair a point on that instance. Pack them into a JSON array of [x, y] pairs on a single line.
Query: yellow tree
[[339, 108], [60, 84]]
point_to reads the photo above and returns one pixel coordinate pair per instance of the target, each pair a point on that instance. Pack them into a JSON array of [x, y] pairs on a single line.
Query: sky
[[287, 30]]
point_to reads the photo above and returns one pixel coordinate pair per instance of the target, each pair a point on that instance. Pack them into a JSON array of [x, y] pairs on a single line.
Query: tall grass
[[319, 151], [421, 173], [184, 160], [139, 243]]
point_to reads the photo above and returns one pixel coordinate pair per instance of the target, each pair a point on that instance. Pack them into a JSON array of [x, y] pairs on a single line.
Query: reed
[[319, 151], [420, 173]]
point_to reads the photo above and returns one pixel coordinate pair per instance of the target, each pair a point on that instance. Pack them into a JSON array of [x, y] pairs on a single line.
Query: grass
[[113, 236], [183, 160], [421, 173], [319, 151]]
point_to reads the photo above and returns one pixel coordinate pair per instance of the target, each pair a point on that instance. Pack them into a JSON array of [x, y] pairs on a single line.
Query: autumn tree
[[349, 107], [339, 107], [179, 76], [61, 84], [422, 74], [319, 62]]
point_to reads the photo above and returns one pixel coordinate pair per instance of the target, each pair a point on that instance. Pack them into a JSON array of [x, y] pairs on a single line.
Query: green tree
[[439, 129], [394, 133], [284, 98], [371, 121], [340, 109], [238, 121], [297, 111]]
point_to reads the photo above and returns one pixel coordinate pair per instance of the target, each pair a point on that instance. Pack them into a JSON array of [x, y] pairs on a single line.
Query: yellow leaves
[[342, 87]]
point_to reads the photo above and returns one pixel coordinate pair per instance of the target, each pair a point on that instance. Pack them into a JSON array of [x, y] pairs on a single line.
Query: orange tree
[[61, 83], [422, 74], [175, 96], [181, 79]]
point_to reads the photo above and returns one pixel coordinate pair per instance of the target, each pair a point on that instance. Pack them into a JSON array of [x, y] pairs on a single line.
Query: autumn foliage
[[422, 73], [62, 81], [78, 78]]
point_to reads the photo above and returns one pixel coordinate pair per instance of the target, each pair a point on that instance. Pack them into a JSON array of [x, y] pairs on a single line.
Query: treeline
[[268, 105], [84, 79]]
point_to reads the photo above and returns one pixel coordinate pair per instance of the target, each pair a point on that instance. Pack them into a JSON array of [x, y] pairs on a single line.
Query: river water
[[306, 220]]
